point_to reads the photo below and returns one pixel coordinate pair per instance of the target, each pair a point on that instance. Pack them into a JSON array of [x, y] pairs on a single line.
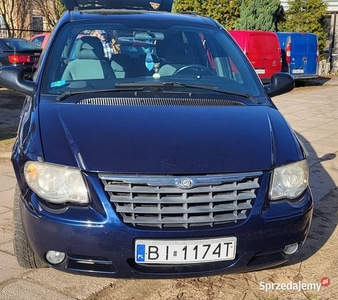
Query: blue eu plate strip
[[140, 252]]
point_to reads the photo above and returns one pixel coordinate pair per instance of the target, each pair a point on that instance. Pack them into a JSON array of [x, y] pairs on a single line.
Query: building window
[[37, 24]]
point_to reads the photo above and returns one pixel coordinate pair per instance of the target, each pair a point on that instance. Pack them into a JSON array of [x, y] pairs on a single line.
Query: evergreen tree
[[307, 16], [187, 5], [226, 12], [258, 15]]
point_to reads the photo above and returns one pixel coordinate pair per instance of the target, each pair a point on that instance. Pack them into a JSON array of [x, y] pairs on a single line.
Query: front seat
[[89, 63], [177, 56]]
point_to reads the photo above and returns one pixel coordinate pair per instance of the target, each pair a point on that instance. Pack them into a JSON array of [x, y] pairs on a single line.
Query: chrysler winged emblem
[[154, 5], [185, 183]]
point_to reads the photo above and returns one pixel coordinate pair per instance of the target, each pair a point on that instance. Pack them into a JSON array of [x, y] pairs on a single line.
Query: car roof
[[40, 34], [157, 10], [156, 5], [136, 15]]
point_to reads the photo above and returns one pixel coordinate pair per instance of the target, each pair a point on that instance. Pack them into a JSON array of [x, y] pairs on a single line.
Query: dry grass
[[6, 145]]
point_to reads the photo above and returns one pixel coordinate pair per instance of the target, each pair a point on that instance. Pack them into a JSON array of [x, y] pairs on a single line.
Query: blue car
[[178, 166], [299, 54]]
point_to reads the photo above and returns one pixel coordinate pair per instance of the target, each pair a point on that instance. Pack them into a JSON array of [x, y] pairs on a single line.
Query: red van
[[263, 50], [40, 39]]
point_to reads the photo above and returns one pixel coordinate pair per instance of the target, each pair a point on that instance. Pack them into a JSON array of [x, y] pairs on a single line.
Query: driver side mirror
[[281, 83], [12, 78]]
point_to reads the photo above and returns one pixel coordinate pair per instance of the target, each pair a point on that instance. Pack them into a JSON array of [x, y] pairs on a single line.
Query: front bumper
[[105, 246]]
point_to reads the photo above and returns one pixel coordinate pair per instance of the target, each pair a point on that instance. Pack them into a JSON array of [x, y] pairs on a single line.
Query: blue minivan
[[299, 54], [181, 166]]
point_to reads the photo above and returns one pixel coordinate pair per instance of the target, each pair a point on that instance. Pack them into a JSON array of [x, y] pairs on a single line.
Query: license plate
[[185, 251], [260, 71], [297, 71], [34, 58]]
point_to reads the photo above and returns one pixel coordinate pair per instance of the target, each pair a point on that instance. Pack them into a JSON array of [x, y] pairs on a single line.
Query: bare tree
[[15, 16], [51, 10]]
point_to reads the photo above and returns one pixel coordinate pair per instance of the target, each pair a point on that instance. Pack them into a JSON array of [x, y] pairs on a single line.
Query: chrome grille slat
[[159, 201], [203, 189], [173, 200], [191, 220], [182, 210]]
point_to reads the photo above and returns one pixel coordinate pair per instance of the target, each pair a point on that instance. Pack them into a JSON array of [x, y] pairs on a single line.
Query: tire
[[24, 255]]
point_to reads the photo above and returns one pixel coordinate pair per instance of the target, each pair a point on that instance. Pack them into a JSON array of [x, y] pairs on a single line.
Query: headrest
[[180, 54], [121, 62], [89, 47]]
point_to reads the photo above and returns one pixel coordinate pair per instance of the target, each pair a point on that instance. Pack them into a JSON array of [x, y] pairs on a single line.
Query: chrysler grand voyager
[[172, 163]]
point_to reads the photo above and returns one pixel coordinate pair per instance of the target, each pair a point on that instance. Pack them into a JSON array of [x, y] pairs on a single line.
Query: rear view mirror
[[149, 35]]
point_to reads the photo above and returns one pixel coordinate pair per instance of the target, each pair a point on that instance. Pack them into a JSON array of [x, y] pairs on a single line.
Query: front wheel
[[24, 255]]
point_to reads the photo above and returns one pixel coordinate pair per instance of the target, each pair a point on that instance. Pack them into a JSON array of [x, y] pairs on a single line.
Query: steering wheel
[[194, 67]]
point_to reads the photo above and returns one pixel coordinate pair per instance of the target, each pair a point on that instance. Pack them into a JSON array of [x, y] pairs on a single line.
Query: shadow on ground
[[321, 80], [10, 108], [325, 215], [10, 99]]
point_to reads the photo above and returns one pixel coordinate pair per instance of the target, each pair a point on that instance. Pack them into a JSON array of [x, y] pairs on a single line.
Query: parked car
[[21, 53], [263, 50], [300, 54], [40, 39], [183, 167]]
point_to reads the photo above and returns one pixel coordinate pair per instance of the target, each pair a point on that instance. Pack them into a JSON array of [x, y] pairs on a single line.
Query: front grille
[[158, 201]]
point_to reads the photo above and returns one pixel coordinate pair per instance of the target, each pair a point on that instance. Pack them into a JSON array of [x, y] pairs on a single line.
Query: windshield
[[19, 44], [102, 56]]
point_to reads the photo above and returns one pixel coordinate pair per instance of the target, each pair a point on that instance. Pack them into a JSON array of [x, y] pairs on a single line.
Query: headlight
[[289, 181], [55, 183]]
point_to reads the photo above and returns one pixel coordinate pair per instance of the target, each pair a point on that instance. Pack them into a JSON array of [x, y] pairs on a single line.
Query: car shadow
[[321, 80], [10, 109], [325, 196]]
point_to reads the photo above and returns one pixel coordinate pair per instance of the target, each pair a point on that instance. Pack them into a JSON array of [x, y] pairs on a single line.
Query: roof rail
[[189, 13], [156, 5]]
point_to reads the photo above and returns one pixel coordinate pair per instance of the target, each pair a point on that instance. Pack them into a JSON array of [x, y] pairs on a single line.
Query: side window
[[38, 41], [217, 59], [207, 52]]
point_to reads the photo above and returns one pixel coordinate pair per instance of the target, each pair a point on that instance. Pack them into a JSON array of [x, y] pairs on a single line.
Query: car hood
[[166, 140]]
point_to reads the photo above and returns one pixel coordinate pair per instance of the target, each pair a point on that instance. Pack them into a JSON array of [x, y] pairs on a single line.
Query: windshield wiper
[[170, 85], [142, 86], [67, 94]]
